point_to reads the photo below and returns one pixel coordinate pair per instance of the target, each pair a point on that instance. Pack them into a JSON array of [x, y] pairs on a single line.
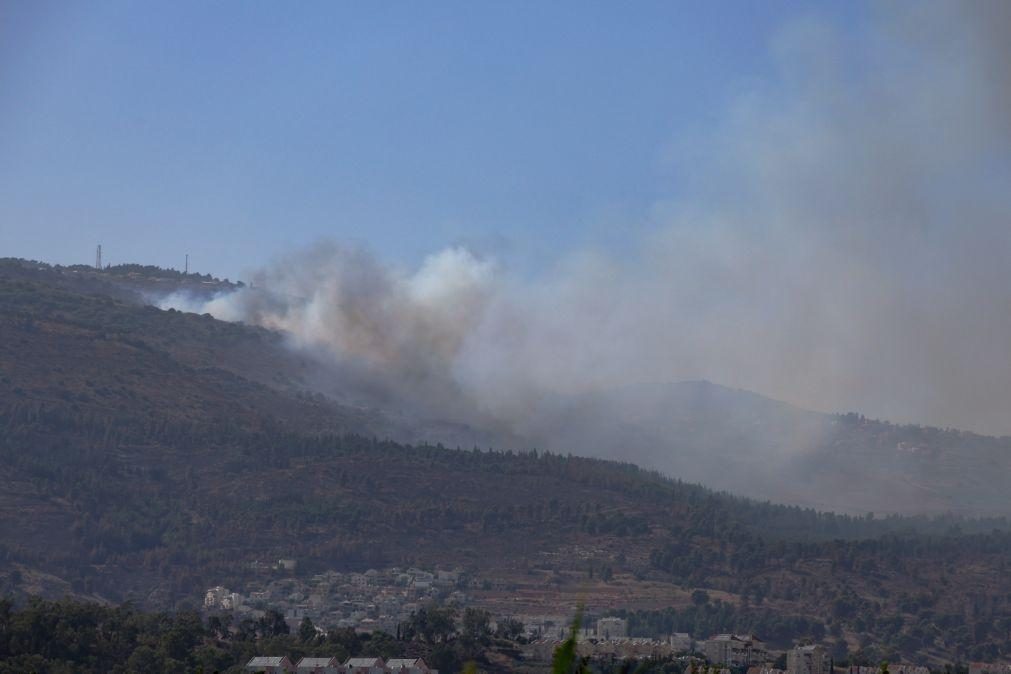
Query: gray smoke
[[844, 245]]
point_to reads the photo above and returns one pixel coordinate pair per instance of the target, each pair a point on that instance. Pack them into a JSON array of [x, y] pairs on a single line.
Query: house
[[365, 666], [807, 660], [734, 650], [612, 628], [270, 665], [682, 642], [319, 666], [408, 666], [907, 669], [214, 596], [232, 601]]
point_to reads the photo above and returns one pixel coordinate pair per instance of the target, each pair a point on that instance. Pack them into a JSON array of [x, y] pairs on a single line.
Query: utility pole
[[187, 267], [98, 257]]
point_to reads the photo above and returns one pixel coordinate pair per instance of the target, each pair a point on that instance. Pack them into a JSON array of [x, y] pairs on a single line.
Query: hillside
[[149, 454], [728, 439], [752, 445], [90, 339]]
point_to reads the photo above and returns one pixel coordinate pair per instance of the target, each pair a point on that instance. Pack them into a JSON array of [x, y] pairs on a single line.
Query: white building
[[319, 666], [734, 650], [612, 628], [682, 641], [365, 666], [409, 666], [270, 665], [807, 660], [220, 597], [912, 669], [213, 597]]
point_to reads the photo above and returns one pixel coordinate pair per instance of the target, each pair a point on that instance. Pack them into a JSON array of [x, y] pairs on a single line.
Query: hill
[[128, 282], [728, 439], [149, 454], [752, 445]]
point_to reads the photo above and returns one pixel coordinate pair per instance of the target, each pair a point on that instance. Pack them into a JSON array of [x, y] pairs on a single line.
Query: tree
[[431, 624], [306, 631], [272, 624], [217, 626], [509, 628], [346, 642], [476, 625], [565, 659], [700, 597]]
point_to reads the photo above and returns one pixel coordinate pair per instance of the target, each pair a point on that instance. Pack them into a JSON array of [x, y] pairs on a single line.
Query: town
[[605, 646], [384, 600]]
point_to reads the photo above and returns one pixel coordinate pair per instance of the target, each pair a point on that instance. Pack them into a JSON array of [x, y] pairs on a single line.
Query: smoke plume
[[842, 243]]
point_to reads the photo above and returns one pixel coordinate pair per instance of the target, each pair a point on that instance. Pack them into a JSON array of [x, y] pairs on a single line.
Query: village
[[376, 600], [605, 645], [385, 599]]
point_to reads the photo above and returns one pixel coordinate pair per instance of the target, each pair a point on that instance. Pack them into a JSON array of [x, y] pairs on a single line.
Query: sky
[[236, 131], [495, 202]]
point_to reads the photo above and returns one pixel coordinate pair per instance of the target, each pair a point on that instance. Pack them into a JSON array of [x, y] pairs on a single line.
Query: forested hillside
[[148, 454], [749, 444]]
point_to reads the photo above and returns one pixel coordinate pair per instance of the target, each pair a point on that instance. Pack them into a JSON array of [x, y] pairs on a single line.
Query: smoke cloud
[[842, 243]]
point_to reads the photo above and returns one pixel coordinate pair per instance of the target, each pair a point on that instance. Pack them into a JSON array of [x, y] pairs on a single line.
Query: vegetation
[[146, 455], [57, 637], [13, 266]]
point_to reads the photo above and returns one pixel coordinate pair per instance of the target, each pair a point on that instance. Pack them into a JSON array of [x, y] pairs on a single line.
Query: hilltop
[[135, 283]]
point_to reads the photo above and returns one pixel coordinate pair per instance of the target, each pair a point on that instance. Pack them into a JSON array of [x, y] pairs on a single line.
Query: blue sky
[[235, 131]]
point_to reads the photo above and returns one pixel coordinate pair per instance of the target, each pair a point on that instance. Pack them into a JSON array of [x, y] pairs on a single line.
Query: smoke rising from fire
[[845, 243]]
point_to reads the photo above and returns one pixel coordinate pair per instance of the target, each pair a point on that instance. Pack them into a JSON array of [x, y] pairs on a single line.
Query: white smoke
[[403, 330], [845, 245]]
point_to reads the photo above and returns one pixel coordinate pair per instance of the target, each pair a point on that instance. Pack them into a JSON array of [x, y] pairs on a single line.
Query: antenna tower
[[98, 257], [187, 268]]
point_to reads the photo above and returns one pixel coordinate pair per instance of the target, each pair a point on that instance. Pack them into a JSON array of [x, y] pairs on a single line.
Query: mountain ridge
[[730, 439]]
